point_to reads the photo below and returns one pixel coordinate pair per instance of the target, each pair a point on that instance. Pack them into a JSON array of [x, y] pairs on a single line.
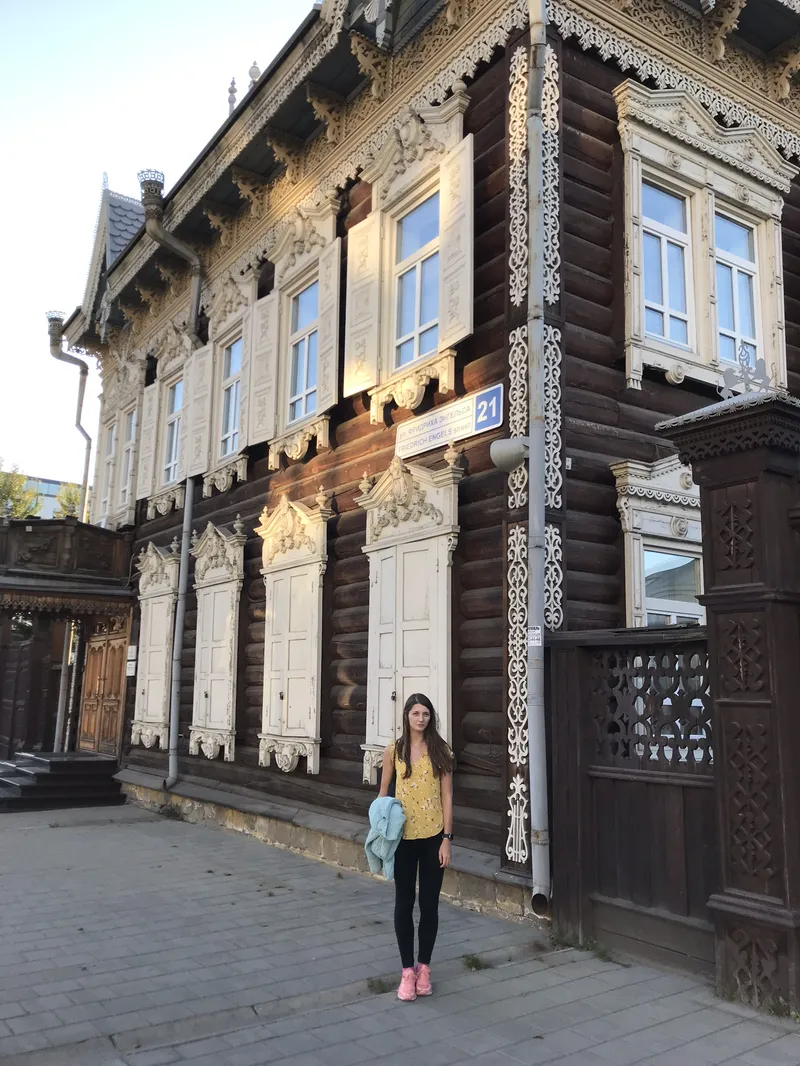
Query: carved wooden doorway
[[103, 694]]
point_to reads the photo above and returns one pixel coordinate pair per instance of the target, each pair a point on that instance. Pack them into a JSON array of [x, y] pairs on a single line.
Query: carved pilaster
[[745, 457], [373, 63]]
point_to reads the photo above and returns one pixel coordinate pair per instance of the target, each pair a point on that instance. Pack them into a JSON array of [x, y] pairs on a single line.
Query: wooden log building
[[361, 227]]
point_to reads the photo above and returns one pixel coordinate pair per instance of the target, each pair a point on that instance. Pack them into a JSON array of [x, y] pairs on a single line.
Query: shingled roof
[[125, 219]]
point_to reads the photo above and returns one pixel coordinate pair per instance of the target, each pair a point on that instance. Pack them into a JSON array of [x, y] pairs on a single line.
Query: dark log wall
[[791, 284], [478, 609], [604, 422]]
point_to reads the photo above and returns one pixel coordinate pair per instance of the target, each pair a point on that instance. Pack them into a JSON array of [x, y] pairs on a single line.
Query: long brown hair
[[438, 752]]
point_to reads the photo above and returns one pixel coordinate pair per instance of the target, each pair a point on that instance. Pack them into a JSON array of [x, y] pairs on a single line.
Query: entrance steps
[[36, 781]]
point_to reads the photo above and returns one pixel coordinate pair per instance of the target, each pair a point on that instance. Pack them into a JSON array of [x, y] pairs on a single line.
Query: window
[[704, 266], [672, 585], [303, 339], [736, 287], [417, 283], [172, 437], [665, 253], [128, 443], [108, 467], [231, 394]]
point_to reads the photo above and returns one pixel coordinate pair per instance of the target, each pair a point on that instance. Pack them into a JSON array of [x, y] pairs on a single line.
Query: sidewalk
[[133, 940]]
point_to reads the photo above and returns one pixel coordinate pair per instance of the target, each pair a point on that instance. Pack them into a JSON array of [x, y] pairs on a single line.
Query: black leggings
[[410, 854]]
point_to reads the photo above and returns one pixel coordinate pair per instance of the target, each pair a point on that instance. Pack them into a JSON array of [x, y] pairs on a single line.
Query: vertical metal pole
[[63, 688], [537, 751], [177, 642]]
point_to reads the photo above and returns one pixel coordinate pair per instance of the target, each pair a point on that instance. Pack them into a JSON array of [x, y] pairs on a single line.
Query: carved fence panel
[[633, 791]]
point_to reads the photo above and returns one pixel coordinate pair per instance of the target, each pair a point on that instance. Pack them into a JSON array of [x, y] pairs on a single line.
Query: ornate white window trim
[[551, 177], [218, 577], [407, 387], [222, 478], [158, 594], [164, 502], [659, 507], [294, 444], [518, 176], [412, 517], [294, 556], [669, 140]]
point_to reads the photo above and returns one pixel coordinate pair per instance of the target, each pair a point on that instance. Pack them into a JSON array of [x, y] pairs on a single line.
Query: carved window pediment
[[294, 534], [219, 554], [409, 502], [302, 239], [158, 570], [228, 303], [415, 147]]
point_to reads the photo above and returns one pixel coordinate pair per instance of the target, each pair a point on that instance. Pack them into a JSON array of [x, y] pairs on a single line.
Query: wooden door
[[103, 692]]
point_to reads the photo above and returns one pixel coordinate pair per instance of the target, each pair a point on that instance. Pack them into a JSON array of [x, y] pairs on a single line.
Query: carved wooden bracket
[[252, 187], [723, 19], [288, 150], [328, 108], [220, 219], [456, 12], [373, 63], [173, 277], [785, 64]]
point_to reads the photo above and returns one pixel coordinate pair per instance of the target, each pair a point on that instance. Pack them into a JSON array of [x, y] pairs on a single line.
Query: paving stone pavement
[[133, 940]]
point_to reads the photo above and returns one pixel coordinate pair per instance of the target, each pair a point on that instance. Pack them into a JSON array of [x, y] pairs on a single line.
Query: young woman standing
[[422, 766]]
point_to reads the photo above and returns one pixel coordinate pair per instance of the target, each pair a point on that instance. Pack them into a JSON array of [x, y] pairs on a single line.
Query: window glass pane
[[734, 238], [418, 228], [311, 403], [727, 348], [678, 330], [295, 410], [175, 397], [227, 411], [110, 434], [406, 301], [304, 307], [429, 290], [428, 340], [725, 296], [652, 269], [676, 275], [233, 358], [298, 358], [311, 370], [747, 318], [749, 353], [405, 352], [654, 619], [654, 322], [669, 576], [663, 207], [686, 619], [130, 425]]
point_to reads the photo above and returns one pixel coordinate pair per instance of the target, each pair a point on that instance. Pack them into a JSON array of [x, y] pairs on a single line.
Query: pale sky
[[88, 86]]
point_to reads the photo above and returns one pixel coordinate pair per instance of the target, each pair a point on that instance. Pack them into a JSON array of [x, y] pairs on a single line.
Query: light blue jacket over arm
[[386, 821]]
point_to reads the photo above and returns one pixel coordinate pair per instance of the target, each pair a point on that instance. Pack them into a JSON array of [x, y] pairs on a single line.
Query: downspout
[[55, 327], [152, 185], [537, 747]]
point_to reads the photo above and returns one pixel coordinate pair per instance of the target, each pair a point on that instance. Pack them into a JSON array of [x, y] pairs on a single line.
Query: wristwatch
[[447, 836]]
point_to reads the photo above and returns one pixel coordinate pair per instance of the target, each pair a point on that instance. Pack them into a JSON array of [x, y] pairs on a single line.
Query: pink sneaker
[[424, 987], [408, 986]]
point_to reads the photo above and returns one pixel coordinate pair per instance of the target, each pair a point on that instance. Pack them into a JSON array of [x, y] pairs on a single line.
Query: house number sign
[[467, 417]]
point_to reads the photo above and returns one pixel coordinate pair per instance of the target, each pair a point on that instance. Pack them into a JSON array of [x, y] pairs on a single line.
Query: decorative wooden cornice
[[288, 150], [328, 108], [373, 63]]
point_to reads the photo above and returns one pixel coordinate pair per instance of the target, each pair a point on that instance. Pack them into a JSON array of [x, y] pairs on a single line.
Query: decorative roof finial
[[238, 525], [232, 96], [254, 73]]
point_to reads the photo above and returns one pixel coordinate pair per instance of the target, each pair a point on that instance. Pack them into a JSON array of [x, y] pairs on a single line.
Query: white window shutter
[[263, 369], [456, 223], [198, 413], [330, 262], [244, 378], [362, 327], [186, 420], [145, 473]]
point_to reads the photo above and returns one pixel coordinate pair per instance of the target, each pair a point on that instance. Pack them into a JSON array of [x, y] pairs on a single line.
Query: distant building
[[46, 490]]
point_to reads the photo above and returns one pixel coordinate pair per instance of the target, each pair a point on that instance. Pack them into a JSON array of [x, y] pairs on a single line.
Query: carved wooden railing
[[63, 547]]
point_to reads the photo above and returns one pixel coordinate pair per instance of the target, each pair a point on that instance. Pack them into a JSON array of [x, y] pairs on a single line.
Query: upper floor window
[[704, 265], [128, 443], [672, 585], [666, 252], [417, 283], [109, 454], [303, 338], [231, 398], [736, 276], [172, 431]]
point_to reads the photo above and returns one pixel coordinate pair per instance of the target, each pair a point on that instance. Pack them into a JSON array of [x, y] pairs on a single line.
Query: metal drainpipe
[[537, 750], [152, 186], [55, 328]]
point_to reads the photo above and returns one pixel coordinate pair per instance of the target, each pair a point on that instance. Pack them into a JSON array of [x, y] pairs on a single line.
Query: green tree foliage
[[69, 501], [15, 500]]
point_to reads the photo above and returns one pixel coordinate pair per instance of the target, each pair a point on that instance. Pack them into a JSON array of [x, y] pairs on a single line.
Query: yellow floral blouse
[[420, 797]]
